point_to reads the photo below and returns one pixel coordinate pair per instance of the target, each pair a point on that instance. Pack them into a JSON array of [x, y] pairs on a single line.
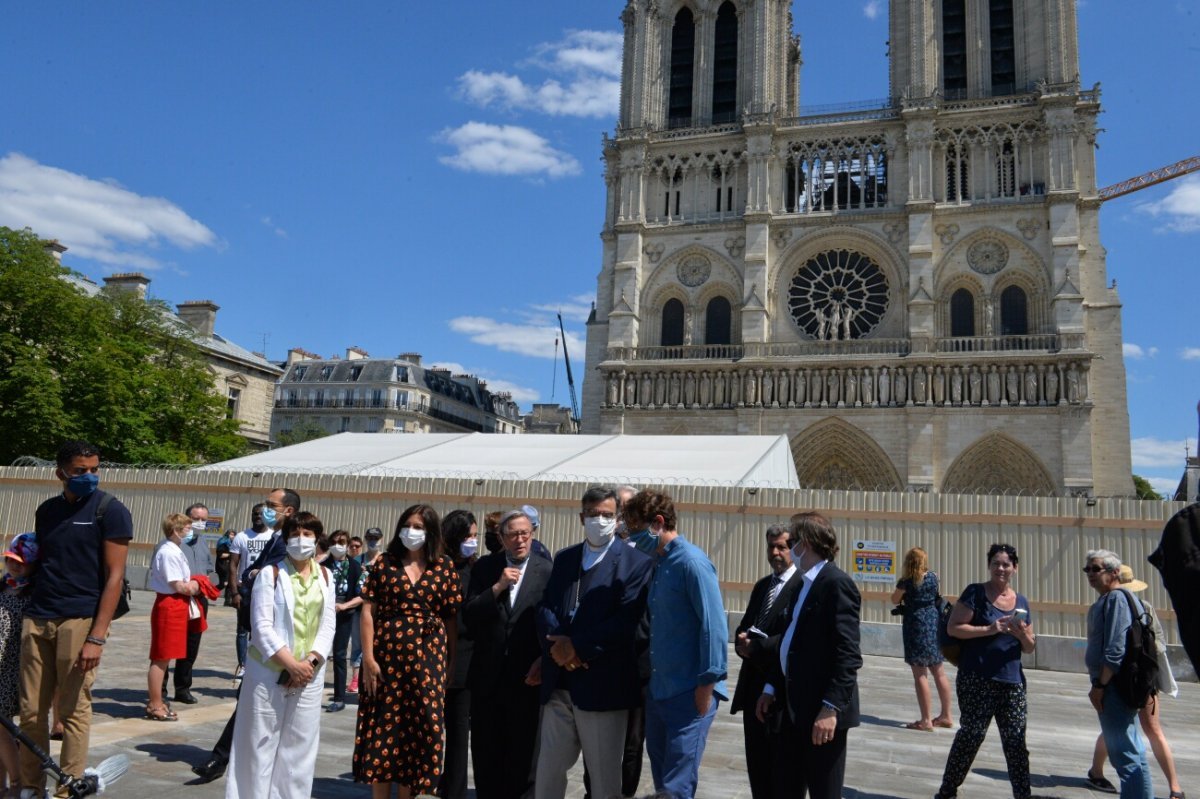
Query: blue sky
[[426, 176]]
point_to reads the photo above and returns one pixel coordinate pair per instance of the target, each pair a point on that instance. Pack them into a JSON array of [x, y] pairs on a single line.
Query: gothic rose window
[[838, 295]]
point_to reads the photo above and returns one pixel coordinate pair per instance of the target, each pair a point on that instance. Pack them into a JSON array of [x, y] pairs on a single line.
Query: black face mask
[[491, 540]]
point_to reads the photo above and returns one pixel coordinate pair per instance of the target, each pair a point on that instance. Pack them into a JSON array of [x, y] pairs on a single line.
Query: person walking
[[171, 580], [917, 594], [993, 621], [277, 729]]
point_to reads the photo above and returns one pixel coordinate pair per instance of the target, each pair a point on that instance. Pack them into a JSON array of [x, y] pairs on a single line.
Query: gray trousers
[[566, 731]]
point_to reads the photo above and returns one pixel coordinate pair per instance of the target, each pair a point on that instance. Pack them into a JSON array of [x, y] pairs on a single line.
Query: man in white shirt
[[245, 549]]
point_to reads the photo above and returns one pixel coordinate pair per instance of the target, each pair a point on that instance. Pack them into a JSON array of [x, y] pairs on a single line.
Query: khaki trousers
[[49, 649]]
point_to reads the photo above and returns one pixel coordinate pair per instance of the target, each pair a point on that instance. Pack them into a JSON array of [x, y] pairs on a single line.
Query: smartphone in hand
[[1021, 615]]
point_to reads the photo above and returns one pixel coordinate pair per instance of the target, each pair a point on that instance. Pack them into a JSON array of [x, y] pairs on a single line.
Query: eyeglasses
[[515, 534], [1093, 569]]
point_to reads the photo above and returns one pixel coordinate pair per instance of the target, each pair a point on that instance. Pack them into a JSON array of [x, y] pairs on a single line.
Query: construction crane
[[570, 379], [1152, 178]]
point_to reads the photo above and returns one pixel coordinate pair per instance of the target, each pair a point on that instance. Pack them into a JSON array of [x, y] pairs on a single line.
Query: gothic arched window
[[1014, 312], [672, 324], [718, 318], [683, 56], [958, 173], [962, 313], [954, 49], [1004, 58], [725, 55]]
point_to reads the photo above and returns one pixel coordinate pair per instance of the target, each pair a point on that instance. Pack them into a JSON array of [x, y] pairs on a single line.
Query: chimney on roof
[[298, 354], [55, 248], [134, 282], [200, 314], [356, 354], [412, 357]]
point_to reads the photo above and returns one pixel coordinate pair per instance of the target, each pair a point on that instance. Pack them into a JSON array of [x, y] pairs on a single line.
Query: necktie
[[772, 594]]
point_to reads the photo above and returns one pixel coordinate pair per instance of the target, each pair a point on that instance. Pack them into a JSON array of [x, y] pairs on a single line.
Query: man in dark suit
[[500, 611], [587, 622], [766, 615], [814, 666]]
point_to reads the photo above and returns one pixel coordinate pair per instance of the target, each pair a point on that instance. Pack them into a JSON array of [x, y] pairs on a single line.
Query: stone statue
[[687, 325], [719, 380], [689, 389], [851, 387], [785, 388], [822, 323], [994, 397], [705, 390], [630, 391], [735, 389], [646, 390], [975, 384], [1031, 386], [1012, 385], [868, 387], [614, 389], [817, 388], [885, 387], [674, 389], [919, 386], [848, 315], [988, 317], [835, 321], [900, 387], [660, 389], [768, 390], [939, 386], [1073, 385], [1052, 385], [750, 388], [833, 388], [801, 387], [956, 386]]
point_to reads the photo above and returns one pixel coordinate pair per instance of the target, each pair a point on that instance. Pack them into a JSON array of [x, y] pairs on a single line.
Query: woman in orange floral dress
[[408, 629]]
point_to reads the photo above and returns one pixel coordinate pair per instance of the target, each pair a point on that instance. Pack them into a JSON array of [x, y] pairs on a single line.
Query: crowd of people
[[489, 650]]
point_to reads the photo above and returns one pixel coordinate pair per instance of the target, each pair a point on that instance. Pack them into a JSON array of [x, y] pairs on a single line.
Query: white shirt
[[786, 643], [593, 556], [169, 565], [512, 589], [247, 545]]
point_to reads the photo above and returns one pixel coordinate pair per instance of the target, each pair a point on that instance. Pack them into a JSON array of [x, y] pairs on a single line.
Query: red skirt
[[169, 627]]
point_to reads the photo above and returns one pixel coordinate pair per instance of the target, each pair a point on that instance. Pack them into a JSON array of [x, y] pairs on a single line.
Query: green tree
[[121, 372], [307, 430], [1143, 488]]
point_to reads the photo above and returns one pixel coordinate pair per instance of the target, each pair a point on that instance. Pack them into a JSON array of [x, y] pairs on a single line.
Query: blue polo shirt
[[70, 574], [688, 630]]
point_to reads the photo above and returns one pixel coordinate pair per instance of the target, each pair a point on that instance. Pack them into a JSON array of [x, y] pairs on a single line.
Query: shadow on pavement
[[1035, 780], [340, 787], [175, 753]]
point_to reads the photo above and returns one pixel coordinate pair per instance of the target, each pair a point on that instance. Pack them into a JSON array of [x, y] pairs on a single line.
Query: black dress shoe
[[210, 770], [185, 697]]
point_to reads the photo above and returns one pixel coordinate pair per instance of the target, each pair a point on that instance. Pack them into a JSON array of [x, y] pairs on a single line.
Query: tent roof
[[764, 461]]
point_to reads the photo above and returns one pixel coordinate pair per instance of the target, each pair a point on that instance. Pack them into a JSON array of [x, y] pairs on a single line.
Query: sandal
[[1177, 795], [916, 725], [1100, 783], [946, 724], [163, 713]]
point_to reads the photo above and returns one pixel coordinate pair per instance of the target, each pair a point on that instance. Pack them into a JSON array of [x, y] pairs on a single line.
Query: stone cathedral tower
[[913, 291]]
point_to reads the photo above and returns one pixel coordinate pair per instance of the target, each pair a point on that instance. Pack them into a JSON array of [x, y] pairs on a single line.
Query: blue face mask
[[645, 541], [269, 517], [190, 537], [83, 485]]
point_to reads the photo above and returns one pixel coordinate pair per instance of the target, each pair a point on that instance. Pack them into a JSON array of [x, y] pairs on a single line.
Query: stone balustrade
[[1004, 383]]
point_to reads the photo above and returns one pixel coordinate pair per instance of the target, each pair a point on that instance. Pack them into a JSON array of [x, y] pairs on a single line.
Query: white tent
[[763, 461]]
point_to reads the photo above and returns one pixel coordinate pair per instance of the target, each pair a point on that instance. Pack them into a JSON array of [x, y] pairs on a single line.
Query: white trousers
[[565, 731], [275, 737]]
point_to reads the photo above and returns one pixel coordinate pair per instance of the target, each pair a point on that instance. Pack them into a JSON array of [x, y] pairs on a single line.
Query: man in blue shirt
[[688, 654], [83, 539]]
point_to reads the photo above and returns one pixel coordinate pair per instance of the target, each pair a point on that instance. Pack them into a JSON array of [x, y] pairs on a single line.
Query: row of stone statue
[[869, 386]]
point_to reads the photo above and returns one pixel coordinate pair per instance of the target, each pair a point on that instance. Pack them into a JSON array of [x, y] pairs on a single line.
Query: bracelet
[[91, 639]]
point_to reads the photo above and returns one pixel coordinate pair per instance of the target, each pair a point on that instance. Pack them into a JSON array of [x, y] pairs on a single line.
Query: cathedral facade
[[913, 291]]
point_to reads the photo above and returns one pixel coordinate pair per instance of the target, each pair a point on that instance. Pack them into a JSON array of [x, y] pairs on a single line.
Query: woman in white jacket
[[279, 709]]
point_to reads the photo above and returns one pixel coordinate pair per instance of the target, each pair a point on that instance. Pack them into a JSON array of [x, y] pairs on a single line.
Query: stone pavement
[[886, 760]]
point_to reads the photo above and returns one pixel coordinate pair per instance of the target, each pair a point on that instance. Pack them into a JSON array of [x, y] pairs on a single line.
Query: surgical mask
[[412, 538], [190, 537], [798, 553], [491, 540], [338, 551], [199, 526], [269, 517], [83, 485], [599, 530], [644, 541], [469, 547], [301, 548], [373, 544]]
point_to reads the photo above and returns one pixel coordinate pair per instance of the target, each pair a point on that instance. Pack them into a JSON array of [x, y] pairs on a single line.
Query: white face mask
[[599, 530], [412, 538], [301, 548], [199, 527], [338, 551], [469, 547], [798, 553]]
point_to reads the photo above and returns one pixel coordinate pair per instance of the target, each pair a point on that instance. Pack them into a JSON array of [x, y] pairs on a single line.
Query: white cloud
[[532, 340], [522, 394], [1165, 486], [1155, 453], [1190, 354], [505, 150], [575, 309], [278, 231], [1180, 208], [586, 69], [96, 219], [1136, 352], [872, 9]]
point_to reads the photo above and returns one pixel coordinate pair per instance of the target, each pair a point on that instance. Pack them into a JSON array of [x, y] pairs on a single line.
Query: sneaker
[[239, 672], [352, 688], [335, 706], [1100, 783]]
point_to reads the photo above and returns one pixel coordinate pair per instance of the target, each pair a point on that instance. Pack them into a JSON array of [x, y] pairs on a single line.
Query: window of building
[[232, 399], [402, 399], [725, 55], [954, 48], [293, 399], [1006, 171], [374, 424], [672, 324], [345, 425], [958, 173], [355, 372], [718, 322], [376, 397], [683, 54], [962, 313], [318, 398], [326, 371], [299, 372], [1014, 312], [1004, 54]]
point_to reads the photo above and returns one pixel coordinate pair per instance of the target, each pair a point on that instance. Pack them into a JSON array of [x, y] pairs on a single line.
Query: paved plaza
[[886, 760]]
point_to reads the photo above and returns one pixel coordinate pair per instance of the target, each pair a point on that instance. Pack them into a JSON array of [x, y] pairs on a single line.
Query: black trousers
[[344, 626], [504, 730], [758, 755], [224, 744], [631, 759], [800, 769], [453, 784], [183, 666]]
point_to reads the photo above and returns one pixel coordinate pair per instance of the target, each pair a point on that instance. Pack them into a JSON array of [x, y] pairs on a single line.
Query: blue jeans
[[1126, 750], [675, 738]]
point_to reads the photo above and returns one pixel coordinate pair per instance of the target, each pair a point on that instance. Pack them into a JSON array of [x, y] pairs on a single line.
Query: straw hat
[[1128, 581]]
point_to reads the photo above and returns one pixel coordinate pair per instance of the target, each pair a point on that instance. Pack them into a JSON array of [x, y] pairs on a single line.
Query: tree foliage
[[121, 372], [306, 430], [1143, 488]]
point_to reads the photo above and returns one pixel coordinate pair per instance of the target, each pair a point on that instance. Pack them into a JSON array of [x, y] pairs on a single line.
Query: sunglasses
[[1092, 569]]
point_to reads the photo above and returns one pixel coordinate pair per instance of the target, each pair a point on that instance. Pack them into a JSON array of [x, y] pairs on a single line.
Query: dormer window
[[355, 372], [299, 372], [326, 372]]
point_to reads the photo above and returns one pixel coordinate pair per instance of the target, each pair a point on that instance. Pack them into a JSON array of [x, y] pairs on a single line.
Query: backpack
[[952, 647], [1137, 680], [126, 594]]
